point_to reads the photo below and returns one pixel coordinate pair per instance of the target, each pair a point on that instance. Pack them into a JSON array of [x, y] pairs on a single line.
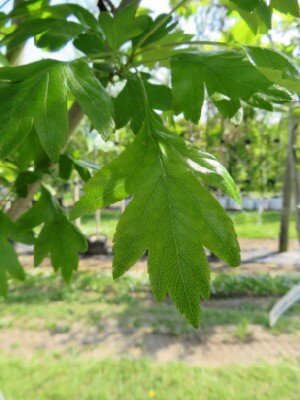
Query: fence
[[251, 204]]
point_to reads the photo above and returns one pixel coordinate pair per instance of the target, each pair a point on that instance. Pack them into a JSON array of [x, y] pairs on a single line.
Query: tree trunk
[[296, 176], [288, 186], [297, 200], [76, 196]]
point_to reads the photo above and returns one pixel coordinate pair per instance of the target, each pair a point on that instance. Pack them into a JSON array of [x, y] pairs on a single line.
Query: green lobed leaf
[[276, 66], [129, 104], [230, 79], [33, 27], [9, 263], [36, 94], [171, 214], [16, 119], [247, 5], [23, 72], [62, 240], [258, 13], [58, 238], [51, 113], [30, 151], [188, 89], [287, 6], [123, 26], [66, 164], [90, 43], [158, 34], [91, 96]]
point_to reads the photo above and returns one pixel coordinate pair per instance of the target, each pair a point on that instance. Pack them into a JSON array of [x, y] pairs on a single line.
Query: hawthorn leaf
[[276, 66], [29, 151], [16, 119], [59, 237], [163, 31], [66, 163], [171, 215], [63, 29], [204, 165], [264, 11], [123, 26], [286, 7], [188, 90], [63, 11], [37, 96], [65, 167], [89, 43], [9, 260], [23, 72], [62, 240], [247, 5], [9, 263], [129, 104], [91, 96], [229, 77], [51, 113]]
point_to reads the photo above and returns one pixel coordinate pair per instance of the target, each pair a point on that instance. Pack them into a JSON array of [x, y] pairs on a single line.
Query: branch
[[102, 5]]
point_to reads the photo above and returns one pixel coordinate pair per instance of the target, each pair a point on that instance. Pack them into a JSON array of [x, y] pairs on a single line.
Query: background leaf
[[92, 97]]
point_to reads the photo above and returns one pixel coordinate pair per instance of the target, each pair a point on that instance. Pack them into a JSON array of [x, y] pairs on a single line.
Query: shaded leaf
[[62, 240], [51, 113], [58, 238], [129, 104], [286, 7], [91, 96]]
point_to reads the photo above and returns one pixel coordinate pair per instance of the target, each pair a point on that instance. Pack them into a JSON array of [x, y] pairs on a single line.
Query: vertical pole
[[288, 186]]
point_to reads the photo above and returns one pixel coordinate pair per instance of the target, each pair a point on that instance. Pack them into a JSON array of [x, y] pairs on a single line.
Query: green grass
[[109, 220], [59, 378], [248, 224], [44, 302], [94, 297]]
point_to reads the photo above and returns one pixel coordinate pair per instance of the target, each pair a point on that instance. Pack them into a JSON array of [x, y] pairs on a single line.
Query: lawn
[[249, 224], [59, 378], [44, 303], [94, 298]]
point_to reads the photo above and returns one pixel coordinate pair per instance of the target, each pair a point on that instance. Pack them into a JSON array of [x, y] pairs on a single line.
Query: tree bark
[[297, 200], [20, 204], [288, 186], [296, 178]]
